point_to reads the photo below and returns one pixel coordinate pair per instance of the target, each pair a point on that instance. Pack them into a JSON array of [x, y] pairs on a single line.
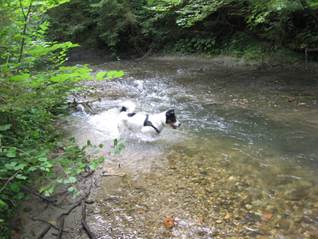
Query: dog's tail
[[128, 107]]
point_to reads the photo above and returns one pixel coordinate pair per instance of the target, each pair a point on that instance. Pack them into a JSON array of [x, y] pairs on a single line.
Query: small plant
[[118, 147]]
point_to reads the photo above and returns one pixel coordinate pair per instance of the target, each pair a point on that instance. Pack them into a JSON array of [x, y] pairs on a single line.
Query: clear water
[[243, 165]]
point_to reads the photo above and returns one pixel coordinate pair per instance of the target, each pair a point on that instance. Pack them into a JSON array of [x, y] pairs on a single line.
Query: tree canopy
[[123, 25]]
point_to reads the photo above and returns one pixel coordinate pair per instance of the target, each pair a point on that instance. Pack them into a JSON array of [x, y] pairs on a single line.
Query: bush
[[34, 85]]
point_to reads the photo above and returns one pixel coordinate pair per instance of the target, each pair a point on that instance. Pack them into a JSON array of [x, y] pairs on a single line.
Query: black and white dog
[[149, 124]]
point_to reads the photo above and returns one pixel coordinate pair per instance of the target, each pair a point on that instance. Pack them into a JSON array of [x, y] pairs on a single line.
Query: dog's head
[[171, 119]]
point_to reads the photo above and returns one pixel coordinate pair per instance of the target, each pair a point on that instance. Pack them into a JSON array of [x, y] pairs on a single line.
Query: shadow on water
[[243, 165]]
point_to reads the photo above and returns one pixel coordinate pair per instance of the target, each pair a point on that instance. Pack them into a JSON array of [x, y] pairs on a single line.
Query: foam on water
[[106, 123]]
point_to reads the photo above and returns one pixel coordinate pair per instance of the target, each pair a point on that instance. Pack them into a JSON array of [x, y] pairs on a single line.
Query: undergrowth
[[34, 85]]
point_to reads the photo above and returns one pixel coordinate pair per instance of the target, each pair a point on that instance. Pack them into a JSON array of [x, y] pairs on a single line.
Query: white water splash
[[106, 123]]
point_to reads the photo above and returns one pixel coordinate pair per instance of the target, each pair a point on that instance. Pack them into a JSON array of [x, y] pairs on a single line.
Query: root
[[44, 232], [84, 223], [61, 219], [80, 202]]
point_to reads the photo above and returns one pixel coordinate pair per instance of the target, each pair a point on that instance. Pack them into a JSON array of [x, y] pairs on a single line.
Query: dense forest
[[249, 28], [36, 36]]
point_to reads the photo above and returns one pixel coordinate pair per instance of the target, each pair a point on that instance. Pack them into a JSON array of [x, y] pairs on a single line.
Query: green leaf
[[72, 190], [93, 165], [19, 196], [5, 127], [15, 187], [101, 75], [47, 190], [70, 180], [32, 169], [21, 77], [109, 75], [114, 74], [118, 147], [3, 205], [20, 166], [11, 152], [42, 159], [20, 176], [10, 166]]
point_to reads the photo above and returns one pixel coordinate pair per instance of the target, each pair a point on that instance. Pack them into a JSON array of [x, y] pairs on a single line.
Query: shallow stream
[[244, 163]]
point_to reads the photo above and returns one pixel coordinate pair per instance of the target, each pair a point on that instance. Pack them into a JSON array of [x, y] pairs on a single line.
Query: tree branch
[[22, 10], [25, 26], [9, 180]]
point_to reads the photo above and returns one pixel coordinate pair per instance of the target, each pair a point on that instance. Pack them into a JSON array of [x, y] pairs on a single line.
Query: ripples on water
[[243, 165]]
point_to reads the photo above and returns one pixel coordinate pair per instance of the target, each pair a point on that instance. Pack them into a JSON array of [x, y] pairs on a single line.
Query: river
[[243, 164]]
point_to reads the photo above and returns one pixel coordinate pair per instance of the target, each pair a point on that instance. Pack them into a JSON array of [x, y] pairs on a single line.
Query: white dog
[[150, 124]]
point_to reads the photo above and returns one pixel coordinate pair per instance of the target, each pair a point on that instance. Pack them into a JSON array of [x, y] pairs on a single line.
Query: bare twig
[[113, 175], [9, 180]]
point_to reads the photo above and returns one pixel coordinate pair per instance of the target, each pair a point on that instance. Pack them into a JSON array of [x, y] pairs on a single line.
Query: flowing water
[[243, 164]]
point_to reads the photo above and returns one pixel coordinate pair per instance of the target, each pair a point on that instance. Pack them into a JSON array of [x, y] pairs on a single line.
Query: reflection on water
[[243, 165]]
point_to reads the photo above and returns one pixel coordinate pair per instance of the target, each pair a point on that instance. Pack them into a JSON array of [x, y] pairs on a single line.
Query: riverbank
[[83, 55]]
